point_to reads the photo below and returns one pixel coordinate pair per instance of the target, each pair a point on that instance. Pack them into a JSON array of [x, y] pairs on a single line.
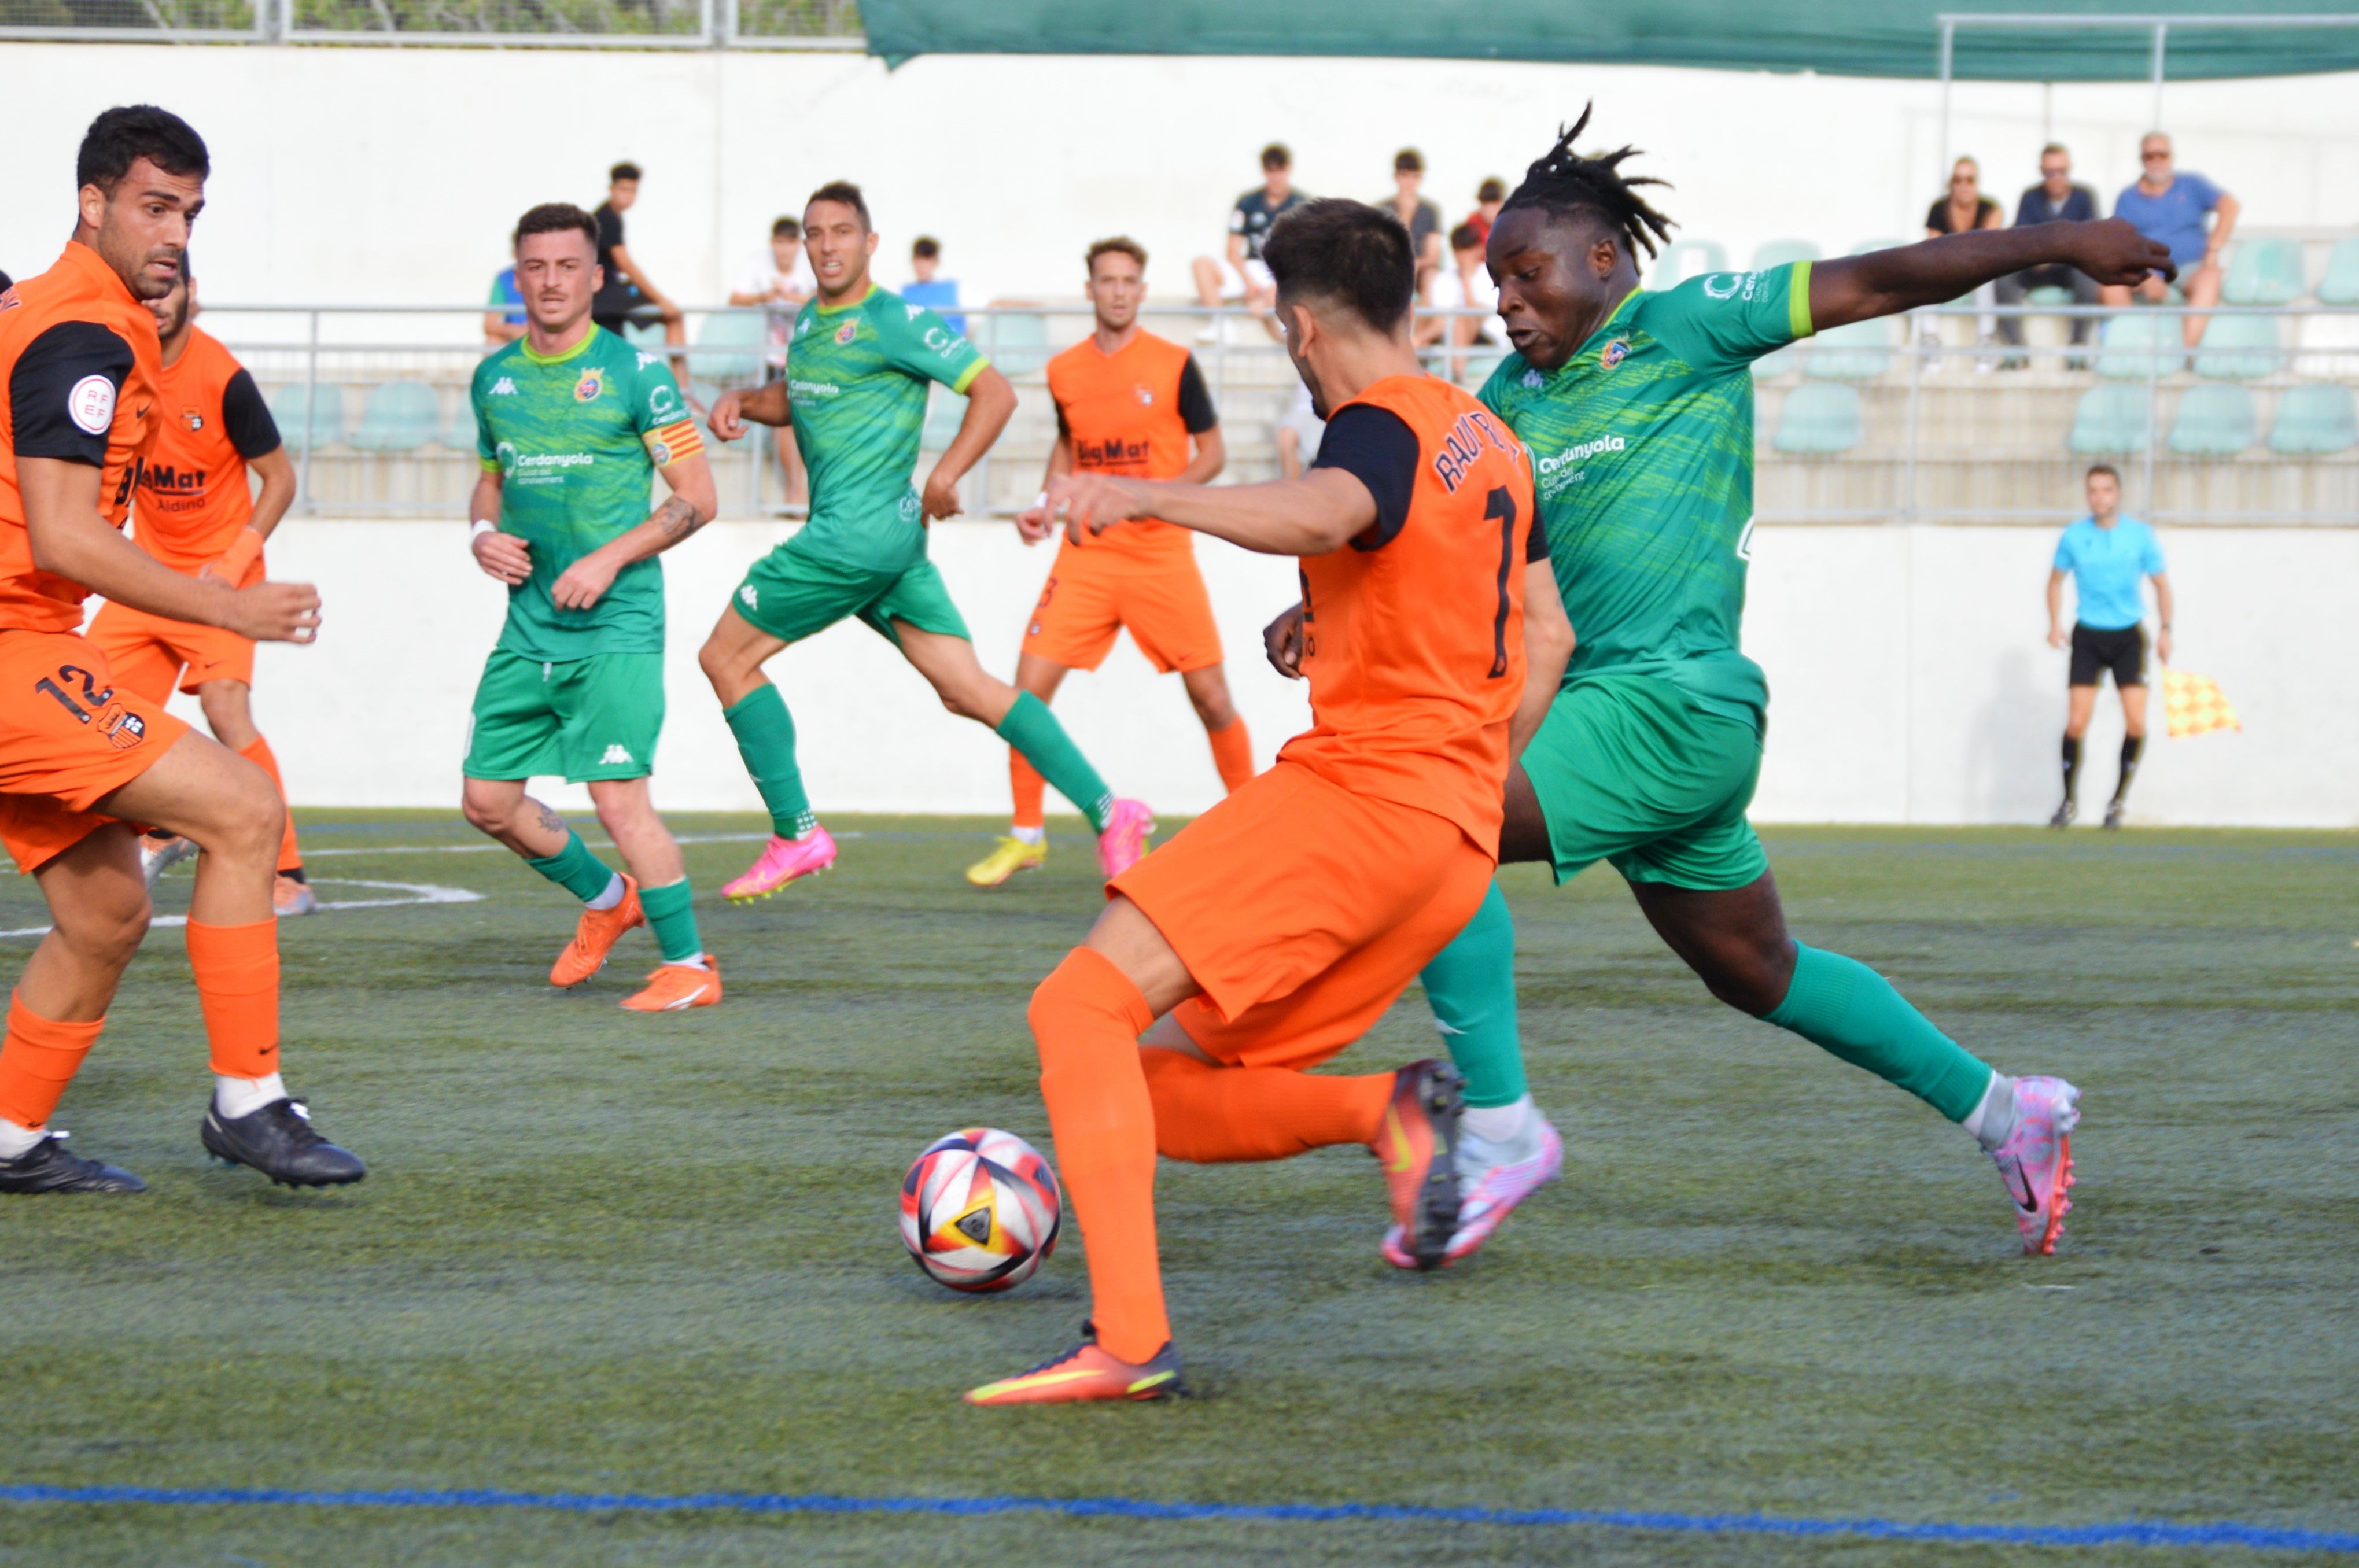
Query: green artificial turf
[[605, 1253]]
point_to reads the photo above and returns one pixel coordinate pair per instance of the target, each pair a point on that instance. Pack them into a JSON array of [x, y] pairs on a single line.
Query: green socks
[[575, 869], [671, 914], [765, 739], [1471, 986], [1843, 1006], [1033, 730]]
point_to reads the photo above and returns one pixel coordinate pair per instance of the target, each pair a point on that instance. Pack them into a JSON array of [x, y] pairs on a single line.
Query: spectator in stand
[[626, 295], [2055, 200], [1420, 217], [1489, 197], [1464, 285], [780, 279], [2169, 208], [504, 323], [1299, 430], [1249, 223], [1965, 208], [929, 287]]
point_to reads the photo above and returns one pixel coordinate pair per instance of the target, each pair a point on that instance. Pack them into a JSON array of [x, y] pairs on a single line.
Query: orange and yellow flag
[[2192, 704]]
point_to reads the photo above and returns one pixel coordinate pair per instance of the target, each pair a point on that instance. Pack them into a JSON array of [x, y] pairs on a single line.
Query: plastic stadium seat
[[1781, 362], [2110, 420], [458, 435], [326, 425], [1016, 342], [2330, 348], [648, 336], [2341, 283], [1778, 253], [2048, 296], [2315, 419], [746, 331], [944, 415], [399, 416], [2215, 421], [2265, 271], [1867, 248], [1686, 259], [2138, 343], [2239, 348], [1820, 419], [1858, 351]]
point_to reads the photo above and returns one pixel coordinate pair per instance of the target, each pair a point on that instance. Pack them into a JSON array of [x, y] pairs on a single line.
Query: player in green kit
[[860, 366], [1637, 409], [574, 421]]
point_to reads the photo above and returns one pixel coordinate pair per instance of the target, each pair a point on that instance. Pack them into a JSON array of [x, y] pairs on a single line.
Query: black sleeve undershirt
[[247, 418], [1537, 549], [1196, 409], [40, 389], [1376, 447]]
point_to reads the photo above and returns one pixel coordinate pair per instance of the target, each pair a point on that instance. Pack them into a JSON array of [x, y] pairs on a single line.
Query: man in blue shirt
[[2105, 554], [2170, 208], [2055, 200], [504, 322], [927, 287]]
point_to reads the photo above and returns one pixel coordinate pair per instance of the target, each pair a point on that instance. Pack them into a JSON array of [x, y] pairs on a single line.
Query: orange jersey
[[1413, 633], [192, 496], [1131, 413], [79, 361]]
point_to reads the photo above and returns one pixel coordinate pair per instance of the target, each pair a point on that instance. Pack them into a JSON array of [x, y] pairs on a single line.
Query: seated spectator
[[2055, 200], [1299, 430], [1965, 207], [1420, 217], [1245, 276], [2169, 208], [627, 295], [1489, 197], [927, 287], [501, 325], [780, 279], [1464, 286]]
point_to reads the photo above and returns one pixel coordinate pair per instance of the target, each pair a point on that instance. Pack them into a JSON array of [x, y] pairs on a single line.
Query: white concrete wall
[[377, 175], [1910, 676]]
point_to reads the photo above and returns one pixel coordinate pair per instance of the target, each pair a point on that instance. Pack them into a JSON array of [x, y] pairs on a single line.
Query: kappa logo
[[648, 359], [914, 311], [616, 757], [1534, 380], [504, 387], [745, 592]]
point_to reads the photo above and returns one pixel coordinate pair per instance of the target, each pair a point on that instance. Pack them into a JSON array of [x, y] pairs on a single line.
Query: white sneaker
[[1493, 1178], [158, 856], [2036, 1161]]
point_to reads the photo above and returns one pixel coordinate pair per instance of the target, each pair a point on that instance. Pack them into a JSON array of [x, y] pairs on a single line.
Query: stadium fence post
[[311, 412]]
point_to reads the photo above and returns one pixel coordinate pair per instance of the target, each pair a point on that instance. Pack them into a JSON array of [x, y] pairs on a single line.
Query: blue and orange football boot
[[1417, 1144], [1087, 1372]]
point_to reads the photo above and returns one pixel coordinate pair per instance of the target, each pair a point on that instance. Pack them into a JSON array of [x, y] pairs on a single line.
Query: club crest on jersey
[[1615, 353], [592, 382], [192, 419], [123, 728], [1145, 396], [846, 332]]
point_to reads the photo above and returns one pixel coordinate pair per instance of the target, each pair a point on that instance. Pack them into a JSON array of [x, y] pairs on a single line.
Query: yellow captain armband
[[668, 443]]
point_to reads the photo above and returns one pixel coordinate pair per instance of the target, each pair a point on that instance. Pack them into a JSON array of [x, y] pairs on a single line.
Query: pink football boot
[[2036, 1161], [1125, 838], [782, 860]]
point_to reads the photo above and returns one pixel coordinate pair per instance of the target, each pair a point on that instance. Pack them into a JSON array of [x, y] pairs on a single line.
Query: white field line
[[412, 893], [310, 854]]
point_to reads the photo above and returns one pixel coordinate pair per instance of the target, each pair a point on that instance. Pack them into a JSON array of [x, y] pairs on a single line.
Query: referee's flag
[[2192, 704]]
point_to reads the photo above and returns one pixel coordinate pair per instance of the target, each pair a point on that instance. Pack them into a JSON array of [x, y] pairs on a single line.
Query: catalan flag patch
[[668, 443]]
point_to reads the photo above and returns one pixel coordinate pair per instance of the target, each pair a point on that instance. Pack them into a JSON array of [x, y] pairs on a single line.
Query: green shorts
[[793, 593], [585, 718], [1629, 770]]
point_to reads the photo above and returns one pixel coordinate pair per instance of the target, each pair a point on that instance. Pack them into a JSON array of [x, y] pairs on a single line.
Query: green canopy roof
[[1846, 38]]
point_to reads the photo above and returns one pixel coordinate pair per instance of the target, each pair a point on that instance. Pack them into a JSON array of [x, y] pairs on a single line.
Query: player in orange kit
[[1278, 925], [1128, 402], [196, 513], [80, 759]]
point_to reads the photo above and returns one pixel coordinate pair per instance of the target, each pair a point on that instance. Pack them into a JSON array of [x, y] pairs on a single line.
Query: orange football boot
[[1087, 1372], [675, 987], [594, 939], [1416, 1143]]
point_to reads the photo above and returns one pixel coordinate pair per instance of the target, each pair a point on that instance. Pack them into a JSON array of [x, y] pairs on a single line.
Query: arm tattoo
[[678, 519]]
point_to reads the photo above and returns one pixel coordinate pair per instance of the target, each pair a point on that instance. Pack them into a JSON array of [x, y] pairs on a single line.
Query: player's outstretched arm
[[694, 501], [69, 537], [733, 411], [1324, 510], [990, 401], [1936, 271]]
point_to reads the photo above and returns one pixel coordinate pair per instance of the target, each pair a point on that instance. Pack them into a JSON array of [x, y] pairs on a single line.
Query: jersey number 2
[[1501, 504]]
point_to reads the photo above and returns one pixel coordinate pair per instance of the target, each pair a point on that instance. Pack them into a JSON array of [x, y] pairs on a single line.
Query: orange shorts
[[68, 738], [1303, 909], [149, 653], [1092, 595]]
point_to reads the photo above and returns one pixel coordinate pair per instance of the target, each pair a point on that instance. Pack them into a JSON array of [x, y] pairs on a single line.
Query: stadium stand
[[2267, 270], [740, 337], [2239, 348], [321, 424], [2137, 344], [2314, 419], [1861, 351], [1820, 419], [1779, 252], [2214, 420], [2110, 420], [2341, 283], [1684, 259], [399, 416]]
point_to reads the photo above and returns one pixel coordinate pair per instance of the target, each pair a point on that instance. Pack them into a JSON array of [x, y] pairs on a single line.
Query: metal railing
[[831, 25], [1929, 418]]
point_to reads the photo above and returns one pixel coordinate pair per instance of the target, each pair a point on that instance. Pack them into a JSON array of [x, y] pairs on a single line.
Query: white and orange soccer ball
[[980, 1210]]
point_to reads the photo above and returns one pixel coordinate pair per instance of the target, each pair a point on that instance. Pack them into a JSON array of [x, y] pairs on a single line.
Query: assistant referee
[[2105, 553]]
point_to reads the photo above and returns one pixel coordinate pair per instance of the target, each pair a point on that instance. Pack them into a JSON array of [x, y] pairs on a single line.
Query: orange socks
[[38, 1059], [259, 754], [1086, 1018], [1232, 753], [237, 986], [1209, 1115], [1025, 782]]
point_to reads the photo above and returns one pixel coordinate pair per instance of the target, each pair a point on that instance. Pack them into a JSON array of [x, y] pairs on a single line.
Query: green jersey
[[1642, 459], [857, 379], [576, 439]]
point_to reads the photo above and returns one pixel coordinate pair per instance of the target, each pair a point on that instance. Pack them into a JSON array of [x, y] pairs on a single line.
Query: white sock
[[15, 1142], [612, 896], [1991, 1122], [1497, 1124], [235, 1097], [696, 962], [1028, 835]]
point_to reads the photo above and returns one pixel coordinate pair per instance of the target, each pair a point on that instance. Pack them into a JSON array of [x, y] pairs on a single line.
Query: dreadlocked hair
[[1564, 183]]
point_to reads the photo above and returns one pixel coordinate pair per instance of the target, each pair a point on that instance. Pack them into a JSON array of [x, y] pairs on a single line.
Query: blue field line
[[2126, 1532]]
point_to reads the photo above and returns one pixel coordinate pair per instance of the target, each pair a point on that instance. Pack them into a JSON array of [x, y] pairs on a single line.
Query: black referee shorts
[[2121, 651]]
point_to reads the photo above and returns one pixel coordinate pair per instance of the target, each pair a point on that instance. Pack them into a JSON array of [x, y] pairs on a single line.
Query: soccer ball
[[980, 1210]]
